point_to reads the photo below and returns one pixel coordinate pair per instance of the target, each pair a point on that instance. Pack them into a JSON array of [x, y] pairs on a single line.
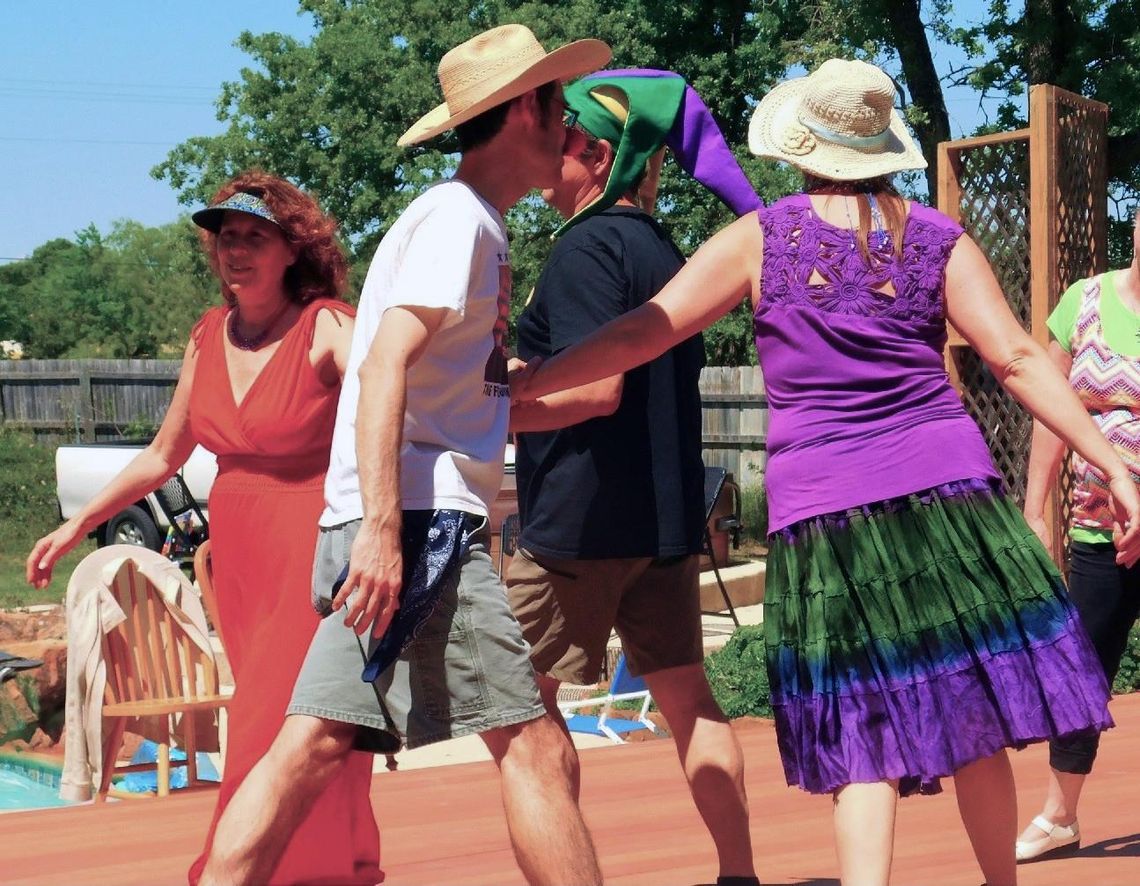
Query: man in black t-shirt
[[610, 478]]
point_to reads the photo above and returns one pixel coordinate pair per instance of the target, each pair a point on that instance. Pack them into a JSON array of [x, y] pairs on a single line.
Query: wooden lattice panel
[[1081, 246], [993, 205], [1005, 425], [994, 210], [1035, 201]]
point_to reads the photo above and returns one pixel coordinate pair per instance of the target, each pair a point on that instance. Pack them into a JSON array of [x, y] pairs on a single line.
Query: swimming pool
[[28, 784]]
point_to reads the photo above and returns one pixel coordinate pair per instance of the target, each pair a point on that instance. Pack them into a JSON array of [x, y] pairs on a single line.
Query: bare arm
[[977, 308], [332, 339], [376, 561], [723, 272], [1045, 453], [147, 471], [566, 408]]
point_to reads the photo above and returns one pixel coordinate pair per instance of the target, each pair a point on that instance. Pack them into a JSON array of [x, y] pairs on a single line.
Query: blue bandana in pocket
[[433, 543]]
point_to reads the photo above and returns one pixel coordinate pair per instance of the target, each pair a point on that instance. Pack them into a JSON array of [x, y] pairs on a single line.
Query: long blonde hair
[[892, 205]]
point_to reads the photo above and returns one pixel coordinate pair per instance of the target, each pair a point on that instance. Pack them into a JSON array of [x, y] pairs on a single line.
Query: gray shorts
[[468, 670]]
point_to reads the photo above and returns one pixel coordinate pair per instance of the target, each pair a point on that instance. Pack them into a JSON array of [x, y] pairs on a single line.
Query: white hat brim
[[779, 110], [565, 63]]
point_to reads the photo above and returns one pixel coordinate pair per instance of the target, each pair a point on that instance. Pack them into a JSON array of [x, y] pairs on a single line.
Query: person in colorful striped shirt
[[1096, 343]]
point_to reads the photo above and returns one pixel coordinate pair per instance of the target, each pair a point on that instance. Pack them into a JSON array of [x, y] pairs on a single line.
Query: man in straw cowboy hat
[[610, 477], [914, 626], [417, 457]]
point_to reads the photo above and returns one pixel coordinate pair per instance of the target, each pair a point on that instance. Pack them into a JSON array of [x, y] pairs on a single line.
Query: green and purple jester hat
[[637, 110]]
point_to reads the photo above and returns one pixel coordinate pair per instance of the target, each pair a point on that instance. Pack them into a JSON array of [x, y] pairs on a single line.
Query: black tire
[[132, 526]]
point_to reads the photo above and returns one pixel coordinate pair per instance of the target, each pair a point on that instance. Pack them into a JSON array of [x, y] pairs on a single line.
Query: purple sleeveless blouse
[[860, 406]]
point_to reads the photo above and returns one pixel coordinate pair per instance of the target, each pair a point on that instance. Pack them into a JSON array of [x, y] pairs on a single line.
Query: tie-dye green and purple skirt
[[908, 638]]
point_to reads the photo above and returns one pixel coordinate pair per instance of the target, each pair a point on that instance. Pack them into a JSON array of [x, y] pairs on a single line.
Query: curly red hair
[[321, 270]]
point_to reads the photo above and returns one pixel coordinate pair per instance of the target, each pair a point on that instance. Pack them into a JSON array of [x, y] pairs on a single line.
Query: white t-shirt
[[448, 249]]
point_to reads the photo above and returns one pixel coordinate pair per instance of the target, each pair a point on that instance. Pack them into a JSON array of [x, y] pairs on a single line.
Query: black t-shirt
[[629, 484]]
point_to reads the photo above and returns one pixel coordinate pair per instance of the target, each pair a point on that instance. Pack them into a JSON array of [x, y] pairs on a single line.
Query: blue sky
[[94, 94]]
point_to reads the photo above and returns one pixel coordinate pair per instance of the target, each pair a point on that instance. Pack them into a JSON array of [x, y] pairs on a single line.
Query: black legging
[[1107, 597]]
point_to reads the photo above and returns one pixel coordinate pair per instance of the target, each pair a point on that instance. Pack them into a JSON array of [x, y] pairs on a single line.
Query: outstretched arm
[[714, 281], [376, 558], [977, 308], [1045, 453], [147, 471]]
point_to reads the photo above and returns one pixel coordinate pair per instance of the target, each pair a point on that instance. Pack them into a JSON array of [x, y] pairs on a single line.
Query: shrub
[[737, 674], [27, 484], [1128, 677], [754, 511]]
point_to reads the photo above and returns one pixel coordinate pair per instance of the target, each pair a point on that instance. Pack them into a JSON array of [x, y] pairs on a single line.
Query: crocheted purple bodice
[[860, 407]]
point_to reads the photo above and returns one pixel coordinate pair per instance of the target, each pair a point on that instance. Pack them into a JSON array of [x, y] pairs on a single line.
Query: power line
[[87, 83], [84, 141], [58, 95]]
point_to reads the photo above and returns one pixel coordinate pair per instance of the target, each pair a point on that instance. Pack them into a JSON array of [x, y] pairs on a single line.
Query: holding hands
[[519, 376], [1126, 510]]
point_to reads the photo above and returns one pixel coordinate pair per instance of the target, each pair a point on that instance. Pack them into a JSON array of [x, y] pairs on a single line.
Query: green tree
[[134, 292], [326, 113], [1085, 46]]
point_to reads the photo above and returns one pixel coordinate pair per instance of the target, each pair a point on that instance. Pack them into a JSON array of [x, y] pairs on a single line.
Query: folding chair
[[508, 539], [714, 486], [623, 687], [188, 526]]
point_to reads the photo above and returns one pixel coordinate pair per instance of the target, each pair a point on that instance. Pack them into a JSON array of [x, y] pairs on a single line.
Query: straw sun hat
[[496, 66], [838, 122]]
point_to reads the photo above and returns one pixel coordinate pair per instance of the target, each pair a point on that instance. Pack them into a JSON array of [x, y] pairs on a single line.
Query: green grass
[[14, 590], [28, 510]]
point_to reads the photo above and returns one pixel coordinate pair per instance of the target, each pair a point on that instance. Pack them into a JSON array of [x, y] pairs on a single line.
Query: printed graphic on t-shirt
[[495, 373]]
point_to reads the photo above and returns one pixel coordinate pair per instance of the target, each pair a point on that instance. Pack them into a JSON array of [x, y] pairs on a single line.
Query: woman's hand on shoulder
[[332, 338]]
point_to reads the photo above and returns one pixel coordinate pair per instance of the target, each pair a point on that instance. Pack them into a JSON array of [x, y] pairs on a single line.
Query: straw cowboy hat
[[496, 66], [838, 122]]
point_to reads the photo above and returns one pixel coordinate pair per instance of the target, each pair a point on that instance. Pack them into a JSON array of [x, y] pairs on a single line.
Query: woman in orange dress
[[259, 387]]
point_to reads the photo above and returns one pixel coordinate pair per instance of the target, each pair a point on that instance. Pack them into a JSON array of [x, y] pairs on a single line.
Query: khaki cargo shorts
[[467, 671]]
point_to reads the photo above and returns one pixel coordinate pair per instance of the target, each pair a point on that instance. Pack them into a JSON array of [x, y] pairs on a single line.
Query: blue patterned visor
[[211, 218]]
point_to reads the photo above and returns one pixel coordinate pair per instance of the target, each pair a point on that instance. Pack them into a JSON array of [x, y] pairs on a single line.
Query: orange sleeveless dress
[[273, 452]]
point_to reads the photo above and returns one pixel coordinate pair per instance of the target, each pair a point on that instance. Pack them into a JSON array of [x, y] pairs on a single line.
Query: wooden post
[[86, 406], [950, 202], [1043, 199]]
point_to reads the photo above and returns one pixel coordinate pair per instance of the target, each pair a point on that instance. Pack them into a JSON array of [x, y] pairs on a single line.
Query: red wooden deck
[[445, 826]]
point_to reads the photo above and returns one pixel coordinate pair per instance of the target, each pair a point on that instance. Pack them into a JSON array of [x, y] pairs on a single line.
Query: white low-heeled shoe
[[1059, 840]]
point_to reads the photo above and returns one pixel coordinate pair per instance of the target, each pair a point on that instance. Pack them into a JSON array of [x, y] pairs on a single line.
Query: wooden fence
[[734, 429], [85, 400], [67, 401]]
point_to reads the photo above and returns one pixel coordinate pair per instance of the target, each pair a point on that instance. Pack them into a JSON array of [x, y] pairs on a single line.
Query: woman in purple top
[[915, 627]]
